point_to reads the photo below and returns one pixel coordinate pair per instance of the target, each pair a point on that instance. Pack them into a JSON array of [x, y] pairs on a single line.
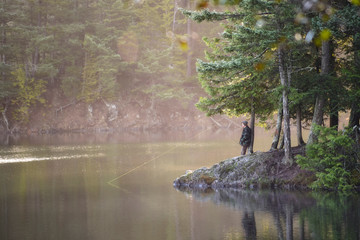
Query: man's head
[[244, 123]]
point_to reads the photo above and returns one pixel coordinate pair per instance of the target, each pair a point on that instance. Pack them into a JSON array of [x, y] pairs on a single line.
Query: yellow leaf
[[268, 55], [259, 66], [325, 35], [317, 41], [183, 44], [282, 39], [201, 4], [325, 17], [216, 2], [355, 2]]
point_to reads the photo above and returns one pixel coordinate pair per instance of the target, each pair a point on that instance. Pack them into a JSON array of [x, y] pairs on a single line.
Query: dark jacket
[[245, 139]]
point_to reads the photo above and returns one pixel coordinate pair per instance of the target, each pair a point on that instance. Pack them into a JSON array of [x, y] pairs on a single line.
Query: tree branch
[[303, 69], [206, 15]]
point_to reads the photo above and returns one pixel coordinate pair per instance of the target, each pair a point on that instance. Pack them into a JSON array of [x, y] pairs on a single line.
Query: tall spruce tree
[[258, 40]]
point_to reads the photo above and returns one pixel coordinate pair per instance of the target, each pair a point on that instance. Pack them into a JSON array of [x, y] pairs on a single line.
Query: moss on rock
[[258, 170]]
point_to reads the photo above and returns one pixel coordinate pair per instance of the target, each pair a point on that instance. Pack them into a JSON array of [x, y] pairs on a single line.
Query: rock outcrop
[[257, 170]]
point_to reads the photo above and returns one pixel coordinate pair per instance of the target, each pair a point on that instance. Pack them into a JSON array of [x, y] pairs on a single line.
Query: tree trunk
[[3, 43], [276, 216], [334, 114], [334, 98], [299, 127], [277, 134], [5, 119], [3, 40], [285, 82], [317, 117], [320, 99], [252, 126], [189, 39], [354, 119], [174, 16], [302, 229], [281, 146], [289, 222]]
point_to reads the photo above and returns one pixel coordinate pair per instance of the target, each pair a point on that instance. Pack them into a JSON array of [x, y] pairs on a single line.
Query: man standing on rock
[[245, 139]]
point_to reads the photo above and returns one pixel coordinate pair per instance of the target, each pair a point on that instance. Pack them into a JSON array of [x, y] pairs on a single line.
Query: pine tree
[[260, 39]]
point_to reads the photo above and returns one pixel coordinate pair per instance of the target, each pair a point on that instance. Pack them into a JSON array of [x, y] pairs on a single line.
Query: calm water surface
[[119, 186]]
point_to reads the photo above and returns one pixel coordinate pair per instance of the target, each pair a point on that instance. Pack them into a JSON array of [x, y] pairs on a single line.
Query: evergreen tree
[[8, 15], [261, 40], [161, 68]]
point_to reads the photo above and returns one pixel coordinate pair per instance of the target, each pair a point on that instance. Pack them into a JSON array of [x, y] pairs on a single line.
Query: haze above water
[[119, 186]]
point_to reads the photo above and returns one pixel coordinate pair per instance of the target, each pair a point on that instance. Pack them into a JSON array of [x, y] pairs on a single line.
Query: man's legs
[[243, 149]]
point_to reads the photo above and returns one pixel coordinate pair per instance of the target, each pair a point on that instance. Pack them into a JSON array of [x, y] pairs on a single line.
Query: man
[[245, 139]]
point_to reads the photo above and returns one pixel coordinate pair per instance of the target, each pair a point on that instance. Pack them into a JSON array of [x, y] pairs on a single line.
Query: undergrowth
[[334, 158]]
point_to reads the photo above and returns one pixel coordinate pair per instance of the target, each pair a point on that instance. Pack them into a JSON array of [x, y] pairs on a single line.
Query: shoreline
[[43, 131]]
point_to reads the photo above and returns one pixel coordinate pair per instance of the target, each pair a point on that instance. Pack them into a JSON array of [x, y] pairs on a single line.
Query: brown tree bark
[[300, 139], [285, 82], [276, 138], [252, 126]]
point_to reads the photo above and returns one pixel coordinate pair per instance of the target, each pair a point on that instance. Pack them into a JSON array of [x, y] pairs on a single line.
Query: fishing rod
[[111, 182]]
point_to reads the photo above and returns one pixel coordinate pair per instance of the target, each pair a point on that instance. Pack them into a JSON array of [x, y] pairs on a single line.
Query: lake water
[[119, 186]]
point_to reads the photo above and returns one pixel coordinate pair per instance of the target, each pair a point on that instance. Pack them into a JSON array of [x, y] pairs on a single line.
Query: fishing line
[[149, 161]]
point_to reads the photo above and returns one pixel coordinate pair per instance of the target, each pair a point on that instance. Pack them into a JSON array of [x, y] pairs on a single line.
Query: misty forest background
[[78, 64]]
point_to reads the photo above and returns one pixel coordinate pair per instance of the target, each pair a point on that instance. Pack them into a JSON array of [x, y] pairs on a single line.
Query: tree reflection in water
[[249, 225], [295, 215]]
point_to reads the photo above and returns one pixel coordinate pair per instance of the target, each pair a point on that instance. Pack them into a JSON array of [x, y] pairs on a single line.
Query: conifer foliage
[[282, 49], [251, 59]]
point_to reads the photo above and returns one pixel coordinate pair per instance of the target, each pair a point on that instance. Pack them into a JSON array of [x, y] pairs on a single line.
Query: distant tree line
[[90, 50]]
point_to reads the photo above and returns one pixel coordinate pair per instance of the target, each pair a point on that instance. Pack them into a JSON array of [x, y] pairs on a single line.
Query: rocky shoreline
[[260, 170], [115, 117]]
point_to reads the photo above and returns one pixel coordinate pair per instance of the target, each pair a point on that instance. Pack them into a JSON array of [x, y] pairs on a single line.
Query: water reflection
[[292, 215], [70, 198], [249, 225], [106, 137]]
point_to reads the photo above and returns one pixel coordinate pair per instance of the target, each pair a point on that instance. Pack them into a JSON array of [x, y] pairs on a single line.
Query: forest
[[300, 60], [76, 64]]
